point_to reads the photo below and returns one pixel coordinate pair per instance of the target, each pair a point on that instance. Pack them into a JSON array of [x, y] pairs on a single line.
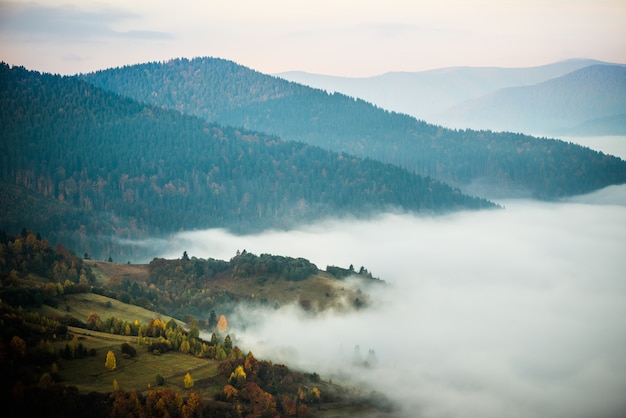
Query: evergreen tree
[[212, 320]]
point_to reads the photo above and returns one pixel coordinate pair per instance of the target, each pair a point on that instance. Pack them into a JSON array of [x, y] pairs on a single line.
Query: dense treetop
[[128, 169], [224, 92]]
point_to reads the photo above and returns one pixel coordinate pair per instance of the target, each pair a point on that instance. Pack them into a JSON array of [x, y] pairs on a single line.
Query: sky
[[353, 38]]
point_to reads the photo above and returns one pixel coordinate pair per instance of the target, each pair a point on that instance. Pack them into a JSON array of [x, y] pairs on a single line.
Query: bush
[[128, 349], [160, 346]]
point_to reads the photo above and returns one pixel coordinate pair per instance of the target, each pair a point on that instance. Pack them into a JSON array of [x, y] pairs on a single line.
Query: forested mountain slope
[[553, 107], [116, 168], [227, 93]]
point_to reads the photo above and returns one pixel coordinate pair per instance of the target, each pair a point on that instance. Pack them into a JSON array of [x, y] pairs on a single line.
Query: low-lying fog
[[506, 313]]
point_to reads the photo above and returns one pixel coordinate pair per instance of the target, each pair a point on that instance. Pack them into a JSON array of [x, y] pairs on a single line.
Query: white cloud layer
[[516, 313]]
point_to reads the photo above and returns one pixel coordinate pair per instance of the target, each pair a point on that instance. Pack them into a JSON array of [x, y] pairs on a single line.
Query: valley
[[130, 195]]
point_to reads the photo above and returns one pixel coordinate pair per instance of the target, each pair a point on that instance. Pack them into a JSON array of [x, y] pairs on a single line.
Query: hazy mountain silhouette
[[588, 100], [425, 94]]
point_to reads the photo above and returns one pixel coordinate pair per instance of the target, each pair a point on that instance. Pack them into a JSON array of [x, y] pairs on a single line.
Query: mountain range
[[513, 165], [99, 160], [90, 168], [563, 98]]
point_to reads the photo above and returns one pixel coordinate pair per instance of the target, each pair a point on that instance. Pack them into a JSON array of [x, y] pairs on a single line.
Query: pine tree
[[212, 320], [228, 344]]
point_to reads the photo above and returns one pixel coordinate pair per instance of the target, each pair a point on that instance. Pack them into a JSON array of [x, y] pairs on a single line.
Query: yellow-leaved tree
[[238, 378], [188, 381], [110, 362]]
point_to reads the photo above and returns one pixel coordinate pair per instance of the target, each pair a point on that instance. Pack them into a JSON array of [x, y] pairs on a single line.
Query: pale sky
[[336, 37]]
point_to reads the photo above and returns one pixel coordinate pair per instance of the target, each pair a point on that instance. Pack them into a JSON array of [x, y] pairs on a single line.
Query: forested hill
[[224, 92], [102, 166]]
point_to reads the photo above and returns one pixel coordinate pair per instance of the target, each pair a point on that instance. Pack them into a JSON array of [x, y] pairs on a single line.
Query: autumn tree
[[93, 321], [251, 365], [110, 362], [230, 392], [222, 323], [314, 396], [156, 328], [18, 346], [262, 404], [188, 381], [46, 381], [289, 405], [193, 406], [238, 377]]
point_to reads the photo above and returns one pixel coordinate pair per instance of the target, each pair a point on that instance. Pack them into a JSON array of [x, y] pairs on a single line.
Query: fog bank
[[503, 313]]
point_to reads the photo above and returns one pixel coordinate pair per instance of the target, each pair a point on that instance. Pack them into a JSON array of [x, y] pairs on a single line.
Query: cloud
[[34, 22], [515, 313]]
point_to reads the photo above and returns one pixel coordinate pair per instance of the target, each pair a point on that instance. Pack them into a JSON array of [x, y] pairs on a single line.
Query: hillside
[[182, 288], [70, 350], [584, 97], [222, 91], [109, 169], [425, 94], [222, 285]]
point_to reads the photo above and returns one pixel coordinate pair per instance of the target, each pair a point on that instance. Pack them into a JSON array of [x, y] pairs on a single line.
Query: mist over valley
[[190, 185], [507, 313], [321, 209]]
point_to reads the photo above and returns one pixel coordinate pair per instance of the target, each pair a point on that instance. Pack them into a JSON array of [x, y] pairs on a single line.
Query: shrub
[[128, 349], [160, 380]]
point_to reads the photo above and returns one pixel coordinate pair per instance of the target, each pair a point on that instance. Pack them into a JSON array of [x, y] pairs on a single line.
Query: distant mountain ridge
[[426, 94], [224, 92], [554, 106]]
